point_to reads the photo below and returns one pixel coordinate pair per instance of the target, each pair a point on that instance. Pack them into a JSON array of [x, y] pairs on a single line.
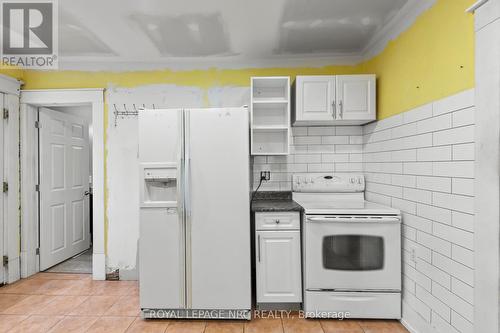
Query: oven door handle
[[355, 220]]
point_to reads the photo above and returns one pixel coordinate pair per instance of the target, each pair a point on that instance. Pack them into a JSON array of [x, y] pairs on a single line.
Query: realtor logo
[[29, 34]]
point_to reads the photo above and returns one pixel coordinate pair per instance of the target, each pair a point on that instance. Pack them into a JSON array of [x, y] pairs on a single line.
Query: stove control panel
[[328, 183]]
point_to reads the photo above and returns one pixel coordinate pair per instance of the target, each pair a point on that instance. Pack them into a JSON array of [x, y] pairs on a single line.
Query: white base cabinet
[[278, 256], [335, 100]]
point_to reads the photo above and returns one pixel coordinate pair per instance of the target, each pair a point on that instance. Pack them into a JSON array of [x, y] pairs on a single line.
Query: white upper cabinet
[[315, 98], [356, 97], [334, 100]]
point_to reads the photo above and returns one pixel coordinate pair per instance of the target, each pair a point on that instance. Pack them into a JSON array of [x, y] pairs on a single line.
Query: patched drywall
[[122, 162]]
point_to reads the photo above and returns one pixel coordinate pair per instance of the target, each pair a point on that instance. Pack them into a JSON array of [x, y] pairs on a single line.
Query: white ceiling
[[218, 32]]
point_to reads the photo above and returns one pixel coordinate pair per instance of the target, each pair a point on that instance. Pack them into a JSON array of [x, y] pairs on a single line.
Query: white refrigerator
[[194, 245]]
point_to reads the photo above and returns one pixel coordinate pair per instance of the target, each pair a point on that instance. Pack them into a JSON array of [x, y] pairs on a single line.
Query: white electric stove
[[352, 249]]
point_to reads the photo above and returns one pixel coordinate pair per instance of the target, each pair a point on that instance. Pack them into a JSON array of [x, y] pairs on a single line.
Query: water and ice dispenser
[[159, 185]]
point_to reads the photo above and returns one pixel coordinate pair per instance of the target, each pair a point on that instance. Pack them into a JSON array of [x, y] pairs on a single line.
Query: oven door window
[[353, 252]]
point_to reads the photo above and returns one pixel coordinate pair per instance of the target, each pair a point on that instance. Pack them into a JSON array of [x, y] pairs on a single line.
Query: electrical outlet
[[265, 175], [413, 254]]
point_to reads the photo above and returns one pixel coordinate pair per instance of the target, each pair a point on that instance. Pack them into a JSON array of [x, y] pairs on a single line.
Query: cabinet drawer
[[277, 221]]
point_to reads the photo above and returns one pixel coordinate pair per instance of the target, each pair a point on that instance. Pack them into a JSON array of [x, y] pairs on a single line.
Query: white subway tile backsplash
[[454, 136], [320, 148], [307, 140], [297, 131], [421, 279], [404, 130], [349, 130], [462, 255], [434, 303], [434, 124], [463, 290], [389, 190], [307, 158], [463, 186], [440, 184], [421, 196], [377, 136], [409, 155], [442, 153], [418, 222], [455, 202], [421, 162], [463, 169], [433, 148], [463, 221], [418, 168], [454, 235], [405, 205], [463, 117], [434, 213], [313, 150], [434, 243], [349, 148], [434, 273], [403, 180], [417, 305], [464, 152], [330, 158], [335, 140], [456, 303], [462, 324], [315, 131], [462, 272]]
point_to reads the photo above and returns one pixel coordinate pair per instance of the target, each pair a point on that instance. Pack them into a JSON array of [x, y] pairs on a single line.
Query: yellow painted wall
[[434, 58]]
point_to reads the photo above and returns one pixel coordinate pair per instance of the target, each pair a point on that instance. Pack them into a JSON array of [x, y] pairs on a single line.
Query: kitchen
[[313, 172]]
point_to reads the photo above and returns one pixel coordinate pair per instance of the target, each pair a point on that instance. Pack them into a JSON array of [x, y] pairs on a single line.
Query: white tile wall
[[314, 149], [422, 162]]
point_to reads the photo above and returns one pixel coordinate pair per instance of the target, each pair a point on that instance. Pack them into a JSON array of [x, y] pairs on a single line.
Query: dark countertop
[[274, 201]]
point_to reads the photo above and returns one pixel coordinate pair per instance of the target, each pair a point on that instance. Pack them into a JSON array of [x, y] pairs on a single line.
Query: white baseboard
[[28, 263], [413, 322], [98, 266]]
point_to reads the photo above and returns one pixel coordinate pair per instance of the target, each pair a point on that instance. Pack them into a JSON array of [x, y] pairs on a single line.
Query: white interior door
[[64, 179]]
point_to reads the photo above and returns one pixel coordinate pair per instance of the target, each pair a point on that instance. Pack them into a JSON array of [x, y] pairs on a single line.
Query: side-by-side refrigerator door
[[161, 264], [217, 208]]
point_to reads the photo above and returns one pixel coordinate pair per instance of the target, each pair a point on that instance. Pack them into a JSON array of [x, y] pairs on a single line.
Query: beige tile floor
[[56, 302]]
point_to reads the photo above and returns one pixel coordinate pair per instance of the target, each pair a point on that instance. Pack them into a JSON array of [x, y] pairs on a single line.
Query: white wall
[[422, 162], [122, 162]]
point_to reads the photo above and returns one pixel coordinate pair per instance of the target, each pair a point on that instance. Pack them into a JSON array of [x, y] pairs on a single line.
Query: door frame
[[30, 101]]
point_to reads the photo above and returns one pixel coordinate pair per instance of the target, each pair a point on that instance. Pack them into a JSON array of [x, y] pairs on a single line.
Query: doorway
[[63, 219], [65, 187]]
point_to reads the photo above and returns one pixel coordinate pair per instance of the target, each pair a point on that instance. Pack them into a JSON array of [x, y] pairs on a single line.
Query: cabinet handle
[[334, 109], [277, 221], [341, 109], [258, 247]]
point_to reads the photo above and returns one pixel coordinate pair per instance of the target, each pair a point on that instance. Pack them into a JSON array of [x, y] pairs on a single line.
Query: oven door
[[361, 253]]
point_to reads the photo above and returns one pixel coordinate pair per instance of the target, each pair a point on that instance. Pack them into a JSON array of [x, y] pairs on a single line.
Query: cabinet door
[[278, 267], [315, 98], [356, 97]]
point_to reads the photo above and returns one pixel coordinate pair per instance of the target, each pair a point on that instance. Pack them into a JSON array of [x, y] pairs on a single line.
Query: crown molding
[[398, 24]]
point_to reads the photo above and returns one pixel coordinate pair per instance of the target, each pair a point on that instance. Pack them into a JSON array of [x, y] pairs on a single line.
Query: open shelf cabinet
[[270, 115]]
